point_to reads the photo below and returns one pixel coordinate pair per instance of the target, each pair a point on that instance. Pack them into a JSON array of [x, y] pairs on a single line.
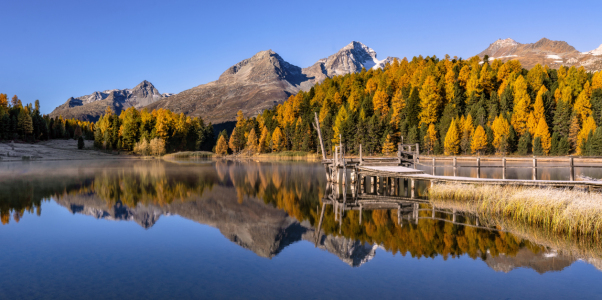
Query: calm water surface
[[205, 229]]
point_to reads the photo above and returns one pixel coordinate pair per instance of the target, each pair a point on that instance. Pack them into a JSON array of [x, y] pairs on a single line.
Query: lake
[[149, 229]]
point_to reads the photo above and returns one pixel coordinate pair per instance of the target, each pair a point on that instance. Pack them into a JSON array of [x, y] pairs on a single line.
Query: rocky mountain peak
[[595, 52]]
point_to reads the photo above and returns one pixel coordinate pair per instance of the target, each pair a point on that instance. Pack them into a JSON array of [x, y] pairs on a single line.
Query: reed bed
[[190, 154], [564, 211]]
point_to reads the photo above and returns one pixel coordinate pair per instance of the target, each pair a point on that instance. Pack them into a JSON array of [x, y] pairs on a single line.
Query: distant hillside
[[264, 80], [544, 52], [91, 107]]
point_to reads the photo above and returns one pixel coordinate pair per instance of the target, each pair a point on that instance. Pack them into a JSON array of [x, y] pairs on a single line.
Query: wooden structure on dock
[[404, 165]]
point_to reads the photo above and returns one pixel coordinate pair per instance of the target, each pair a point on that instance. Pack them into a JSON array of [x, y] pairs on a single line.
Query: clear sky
[[53, 50]]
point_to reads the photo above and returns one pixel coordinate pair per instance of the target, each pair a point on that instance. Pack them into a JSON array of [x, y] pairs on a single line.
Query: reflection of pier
[[389, 193]]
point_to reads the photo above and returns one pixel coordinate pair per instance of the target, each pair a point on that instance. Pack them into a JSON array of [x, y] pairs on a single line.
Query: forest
[[448, 106], [19, 122]]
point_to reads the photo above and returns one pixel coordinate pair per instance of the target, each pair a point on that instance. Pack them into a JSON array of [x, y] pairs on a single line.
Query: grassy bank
[[568, 212], [189, 154]]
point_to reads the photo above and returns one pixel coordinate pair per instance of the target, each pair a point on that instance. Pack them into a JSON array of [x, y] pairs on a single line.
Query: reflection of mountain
[[253, 225], [541, 262]]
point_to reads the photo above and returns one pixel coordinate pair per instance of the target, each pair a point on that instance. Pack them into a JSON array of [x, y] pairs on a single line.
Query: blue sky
[[53, 50]]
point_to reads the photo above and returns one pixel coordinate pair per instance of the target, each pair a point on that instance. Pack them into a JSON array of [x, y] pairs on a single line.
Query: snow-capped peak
[[597, 51], [505, 43]]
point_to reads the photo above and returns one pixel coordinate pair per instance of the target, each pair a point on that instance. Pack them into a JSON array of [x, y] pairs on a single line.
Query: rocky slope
[[262, 81], [90, 107], [544, 52]]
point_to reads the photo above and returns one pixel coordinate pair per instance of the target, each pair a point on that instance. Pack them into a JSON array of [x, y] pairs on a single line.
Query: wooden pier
[[407, 158]]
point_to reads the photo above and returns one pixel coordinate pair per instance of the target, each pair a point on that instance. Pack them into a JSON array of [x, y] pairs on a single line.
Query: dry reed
[[556, 210]]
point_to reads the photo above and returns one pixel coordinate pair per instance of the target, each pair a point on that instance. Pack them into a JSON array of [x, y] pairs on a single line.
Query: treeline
[[155, 132], [19, 122], [448, 106]]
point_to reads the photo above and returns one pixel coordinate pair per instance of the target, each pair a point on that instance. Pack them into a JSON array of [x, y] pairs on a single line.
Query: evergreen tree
[[537, 147], [524, 144]]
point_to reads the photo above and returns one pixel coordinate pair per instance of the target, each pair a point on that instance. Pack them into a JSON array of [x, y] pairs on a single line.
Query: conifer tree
[[388, 146], [589, 126], [522, 106], [543, 134], [429, 102], [381, 102], [430, 139], [263, 140], [234, 142], [277, 140], [524, 144], [467, 134], [537, 147], [252, 146], [479, 140], [501, 131], [452, 139], [221, 147], [583, 106], [574, 132]]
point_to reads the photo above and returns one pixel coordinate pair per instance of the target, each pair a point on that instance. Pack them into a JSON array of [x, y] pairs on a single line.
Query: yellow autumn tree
[[583, 105], [252, 146], [501, 129], [538, 108], [430, 138], [222, 147], [277, 140], [450, 83], [531, 123], [597, 81], [397, 104], [588, 126], [543, 133], [234, 142], [380, 102], [388, 146], [263, 140], [339, 123], [522, 106], [429, 101], [479, 140], [452, 139]]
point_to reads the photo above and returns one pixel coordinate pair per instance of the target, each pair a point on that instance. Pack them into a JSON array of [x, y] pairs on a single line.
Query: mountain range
[[266, 79]]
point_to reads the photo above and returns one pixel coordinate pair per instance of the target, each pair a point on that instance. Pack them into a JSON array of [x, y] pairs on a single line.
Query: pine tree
[[479, 140], [537, 147], [221, 147], [452, 139], [574, 132], [381, 102], [563, 146], [554, 144], [583, 106], [524, 144], [467, 131]]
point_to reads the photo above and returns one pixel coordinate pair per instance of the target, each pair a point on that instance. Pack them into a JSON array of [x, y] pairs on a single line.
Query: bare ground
[[52, 150]]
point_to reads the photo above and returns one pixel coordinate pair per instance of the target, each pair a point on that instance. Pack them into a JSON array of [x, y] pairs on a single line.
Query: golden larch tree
[[234, 142], [522, 106], [388, 145], [479, 140], [543, 133], [252, 146], [380, 102], [452, 139], [597, 81], [397, 104], [588, 126], [501, 129], [222, 147], [277, 140], [263, 140], [538, 108], [429, 101], [583, 105], [339, 122], [531, 123], [574, 130], [430, 138]]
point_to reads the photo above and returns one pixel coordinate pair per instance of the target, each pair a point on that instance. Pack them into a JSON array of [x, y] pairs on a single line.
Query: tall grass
[[562, 211], [189, 154]]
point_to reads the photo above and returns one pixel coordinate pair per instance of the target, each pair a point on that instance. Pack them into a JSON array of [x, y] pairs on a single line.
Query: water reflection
[[265, 207]]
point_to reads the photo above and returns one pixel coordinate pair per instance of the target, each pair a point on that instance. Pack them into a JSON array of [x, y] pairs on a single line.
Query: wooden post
[[454, 216], [478, 167], [433, 216], [504, 168], [572, 169], [534, 168], [416, 208], [413, 189], [434, 166], [320, 135], [398, 213], [361, 210], [455, 166], [375, 185], [399, 149], [361, 159], [344, 165], [417, 152]]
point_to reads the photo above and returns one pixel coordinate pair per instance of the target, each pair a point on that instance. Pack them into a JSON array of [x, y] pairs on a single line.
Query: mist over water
[[222, 229]]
